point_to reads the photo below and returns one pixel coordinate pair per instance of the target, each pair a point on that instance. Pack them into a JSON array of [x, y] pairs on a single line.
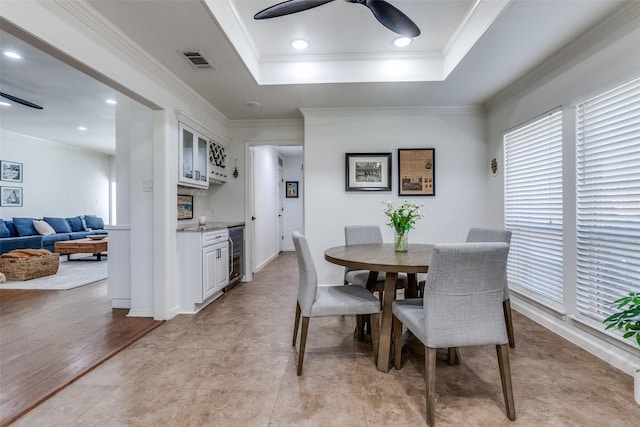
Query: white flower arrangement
[[404, 217]]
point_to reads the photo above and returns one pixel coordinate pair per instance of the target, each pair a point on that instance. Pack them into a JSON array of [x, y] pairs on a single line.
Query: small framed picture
[[10, 171], [368, 172], [416, 172], [185, 206], [291, 189], [11, 196]]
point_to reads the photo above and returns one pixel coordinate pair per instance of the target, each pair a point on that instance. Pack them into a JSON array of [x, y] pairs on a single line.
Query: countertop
[[208, 226]]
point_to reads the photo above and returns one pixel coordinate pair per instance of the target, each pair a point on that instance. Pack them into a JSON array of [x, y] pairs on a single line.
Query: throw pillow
[[75, 223], [85, 227], [25, 227], [4, 231], [94, 222], [60, 225], [43, 227]]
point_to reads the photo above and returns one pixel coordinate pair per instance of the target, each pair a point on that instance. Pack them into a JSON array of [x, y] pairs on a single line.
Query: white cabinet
[[194, 165], [215, 260], [203, 261], [217, 163]]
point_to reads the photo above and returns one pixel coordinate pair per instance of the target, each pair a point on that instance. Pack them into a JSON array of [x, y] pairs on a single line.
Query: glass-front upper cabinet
[[194, 164]]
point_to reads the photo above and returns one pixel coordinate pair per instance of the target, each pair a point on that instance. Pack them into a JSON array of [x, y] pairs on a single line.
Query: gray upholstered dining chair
[[496, 235], [362, 235], [461, 307], [320, 301], [477, 234]]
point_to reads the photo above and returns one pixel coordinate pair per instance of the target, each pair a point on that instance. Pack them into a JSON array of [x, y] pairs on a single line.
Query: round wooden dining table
[[383, 257]]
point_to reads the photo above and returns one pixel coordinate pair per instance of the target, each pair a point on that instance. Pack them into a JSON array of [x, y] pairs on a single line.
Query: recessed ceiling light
[[82, 128], [253, 104], [300, 44], [111, 101], [12, 54], [5, 104], [402, 41]]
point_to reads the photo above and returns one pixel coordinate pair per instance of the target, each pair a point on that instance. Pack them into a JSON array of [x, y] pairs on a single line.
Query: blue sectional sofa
[[21, 233]]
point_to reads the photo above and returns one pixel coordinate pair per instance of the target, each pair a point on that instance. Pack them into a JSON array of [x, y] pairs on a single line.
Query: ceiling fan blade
[[391, 17], [288, 7], [20, 100]]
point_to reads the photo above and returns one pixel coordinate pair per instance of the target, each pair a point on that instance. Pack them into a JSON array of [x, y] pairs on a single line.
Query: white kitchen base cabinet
[[203, 267]]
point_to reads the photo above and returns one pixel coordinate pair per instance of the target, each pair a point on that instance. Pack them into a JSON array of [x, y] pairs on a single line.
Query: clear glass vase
[[401, 241]]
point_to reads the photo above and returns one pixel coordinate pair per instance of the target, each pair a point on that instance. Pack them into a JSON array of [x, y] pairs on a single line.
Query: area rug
[[71, 274]]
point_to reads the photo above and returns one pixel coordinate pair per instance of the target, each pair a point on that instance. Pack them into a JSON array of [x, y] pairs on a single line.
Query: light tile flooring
[[233, 365]]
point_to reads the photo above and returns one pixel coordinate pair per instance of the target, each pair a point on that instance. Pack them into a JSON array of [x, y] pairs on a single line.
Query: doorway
[[271, 216]]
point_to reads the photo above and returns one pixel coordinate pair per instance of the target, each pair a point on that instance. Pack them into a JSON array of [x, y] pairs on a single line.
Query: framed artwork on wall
[[10, 171], [11, 196], [291, 188], [368, 172], [185, 206], [416, 172]]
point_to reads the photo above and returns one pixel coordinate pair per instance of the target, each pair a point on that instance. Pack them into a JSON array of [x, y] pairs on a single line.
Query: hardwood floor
[[48, 339]]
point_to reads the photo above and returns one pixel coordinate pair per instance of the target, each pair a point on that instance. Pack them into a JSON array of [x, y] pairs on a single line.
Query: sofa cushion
[[94, 222], [43, 227], [4, 231], [60, 225], [25, 227], [75, 223], [51, 239], [78, 235]]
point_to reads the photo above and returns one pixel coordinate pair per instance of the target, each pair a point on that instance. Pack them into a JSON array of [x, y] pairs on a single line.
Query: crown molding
[[405, 111], [267, 123], [86, 14], [619, 21]]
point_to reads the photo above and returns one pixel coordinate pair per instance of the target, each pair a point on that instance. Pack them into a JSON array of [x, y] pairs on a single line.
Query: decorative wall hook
[[235, 170], [494, 165]]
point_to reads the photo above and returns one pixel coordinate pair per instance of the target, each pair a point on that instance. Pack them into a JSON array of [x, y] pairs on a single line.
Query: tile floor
[[233, 365]]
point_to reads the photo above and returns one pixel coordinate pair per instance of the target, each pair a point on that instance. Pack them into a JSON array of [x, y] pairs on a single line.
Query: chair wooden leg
[[374, 324], [303, 343], [430, 380], [295, 325], [505, 377], [452, 355], [359, 333], [397, 342], [506, 307]]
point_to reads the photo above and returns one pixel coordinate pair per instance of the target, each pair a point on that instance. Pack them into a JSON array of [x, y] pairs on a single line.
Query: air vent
[[197, 59]]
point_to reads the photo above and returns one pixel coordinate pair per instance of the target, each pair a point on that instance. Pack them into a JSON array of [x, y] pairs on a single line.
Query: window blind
[[608, 199], [533, 206]]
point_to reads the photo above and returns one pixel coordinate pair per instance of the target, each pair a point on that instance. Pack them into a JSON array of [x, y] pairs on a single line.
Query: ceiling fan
[[20, 101], [388, 15]]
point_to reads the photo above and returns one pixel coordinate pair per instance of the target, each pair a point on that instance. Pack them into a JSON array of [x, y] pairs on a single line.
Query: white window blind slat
[[533, 205], [607, 200]]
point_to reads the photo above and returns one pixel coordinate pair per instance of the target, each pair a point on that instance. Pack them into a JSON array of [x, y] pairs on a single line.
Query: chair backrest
[[362, 234], [463, 295], [492, 235], [307, 276], [488, 235]]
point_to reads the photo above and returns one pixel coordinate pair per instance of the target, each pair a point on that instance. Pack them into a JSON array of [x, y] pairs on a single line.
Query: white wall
[[50, 185], [590, 66], [293, 212], [458, 136]]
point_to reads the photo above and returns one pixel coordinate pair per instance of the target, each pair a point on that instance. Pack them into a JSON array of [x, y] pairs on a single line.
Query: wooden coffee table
[[81, 246]]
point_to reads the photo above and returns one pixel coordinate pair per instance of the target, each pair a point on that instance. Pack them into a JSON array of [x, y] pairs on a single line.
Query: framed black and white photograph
[[291, 188], [11, 196], [185, 206], [416, 172], [368, 172], [10, 171]]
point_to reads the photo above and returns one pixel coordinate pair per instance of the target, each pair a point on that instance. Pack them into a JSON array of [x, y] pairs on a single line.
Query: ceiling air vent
[[197, 59]]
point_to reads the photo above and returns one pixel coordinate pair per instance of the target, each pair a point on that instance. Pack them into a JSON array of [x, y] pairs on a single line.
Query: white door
[[281, 191]]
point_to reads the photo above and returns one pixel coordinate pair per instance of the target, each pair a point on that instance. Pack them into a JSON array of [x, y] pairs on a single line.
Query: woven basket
[[20, 269]]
